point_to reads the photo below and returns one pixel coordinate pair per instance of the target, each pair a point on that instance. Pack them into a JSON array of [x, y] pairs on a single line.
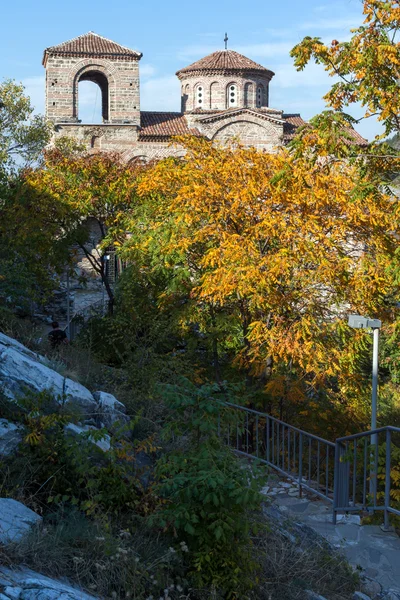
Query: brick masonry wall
[[115, 138], [119, 80], [251, 130], [215, 91], [62, 80]]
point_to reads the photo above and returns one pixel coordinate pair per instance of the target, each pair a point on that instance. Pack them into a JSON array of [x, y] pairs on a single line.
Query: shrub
[[208, 494], [53, 467]]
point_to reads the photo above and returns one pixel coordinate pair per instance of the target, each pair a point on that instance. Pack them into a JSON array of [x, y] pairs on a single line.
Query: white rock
[[35, 586], [285, 485], [349, 518], [10, 437], [21, 369], [360, 596], [15, 520], [110, 410], [13, 592], [392, 594], [9, 342], [104, 444]]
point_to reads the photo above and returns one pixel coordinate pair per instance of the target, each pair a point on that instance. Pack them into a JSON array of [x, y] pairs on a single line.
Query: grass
[[294, 559], [112, 564]]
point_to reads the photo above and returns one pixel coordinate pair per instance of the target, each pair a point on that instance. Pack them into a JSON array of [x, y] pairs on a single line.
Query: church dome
[[224, 80], [224, 61]]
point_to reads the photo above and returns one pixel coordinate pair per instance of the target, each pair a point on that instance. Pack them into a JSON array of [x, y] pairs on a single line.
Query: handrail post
[[386, 525], [341, 480], [336, 481], [300, 465]]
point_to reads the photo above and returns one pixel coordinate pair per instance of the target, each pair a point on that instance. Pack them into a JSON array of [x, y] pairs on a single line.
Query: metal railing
[[353, 473], [363, 472], [303, 457]]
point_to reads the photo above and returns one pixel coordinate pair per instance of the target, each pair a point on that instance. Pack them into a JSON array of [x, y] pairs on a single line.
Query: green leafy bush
[[56, 467], [208, 494]]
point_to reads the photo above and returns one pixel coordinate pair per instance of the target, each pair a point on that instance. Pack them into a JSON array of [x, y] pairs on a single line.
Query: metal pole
[[374, 436], [387, 480], [68, 311]]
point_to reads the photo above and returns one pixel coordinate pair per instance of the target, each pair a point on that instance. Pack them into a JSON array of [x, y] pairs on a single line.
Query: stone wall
[[257, 130], [115, 138], [118, 80], [252, 91]]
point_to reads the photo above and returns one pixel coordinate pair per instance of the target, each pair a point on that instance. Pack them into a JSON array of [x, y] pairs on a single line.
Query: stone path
[[367, 546]]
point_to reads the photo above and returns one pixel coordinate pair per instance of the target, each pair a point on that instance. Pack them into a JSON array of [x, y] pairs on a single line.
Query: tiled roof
[[358, 139], [90, 44], [162, 125], [224, 60], [292, 122]]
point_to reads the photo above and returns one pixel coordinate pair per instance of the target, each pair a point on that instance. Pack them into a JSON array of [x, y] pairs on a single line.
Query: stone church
[[223, 95]]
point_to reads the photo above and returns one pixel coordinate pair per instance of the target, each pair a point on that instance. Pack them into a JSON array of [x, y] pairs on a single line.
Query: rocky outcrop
[[16, 520], [110, 411], [10, 437], [72, 429], [22, 370], [24, 584]]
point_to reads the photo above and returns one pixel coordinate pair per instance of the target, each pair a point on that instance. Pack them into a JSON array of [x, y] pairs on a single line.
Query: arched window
[[260, 96], [248, 95], [95, 141], [185, 97], [199, 96], [214, 95], [232, 95], [93, 97]]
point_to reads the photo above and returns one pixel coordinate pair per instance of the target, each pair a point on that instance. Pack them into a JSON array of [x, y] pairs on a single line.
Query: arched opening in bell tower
[[93, 97]]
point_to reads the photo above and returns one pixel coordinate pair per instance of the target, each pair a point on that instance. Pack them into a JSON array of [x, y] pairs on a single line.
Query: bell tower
[[91, 57]]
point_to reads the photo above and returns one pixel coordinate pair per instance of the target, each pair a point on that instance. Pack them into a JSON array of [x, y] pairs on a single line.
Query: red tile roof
[[159, 126], [292, 122], [224, 60], [358, 139], [90, 44]]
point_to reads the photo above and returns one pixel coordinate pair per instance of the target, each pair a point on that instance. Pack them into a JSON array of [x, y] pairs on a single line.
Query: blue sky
[[172, 35]]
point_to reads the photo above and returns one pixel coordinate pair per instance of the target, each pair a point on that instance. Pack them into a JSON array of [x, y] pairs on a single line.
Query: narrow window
[[260, 96], [185, 97], [200, 97], [232, 99]]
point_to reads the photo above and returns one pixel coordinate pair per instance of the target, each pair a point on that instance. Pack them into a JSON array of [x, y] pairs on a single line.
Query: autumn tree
[[284, 244], [23, 136], [100, 186], [368, 65]]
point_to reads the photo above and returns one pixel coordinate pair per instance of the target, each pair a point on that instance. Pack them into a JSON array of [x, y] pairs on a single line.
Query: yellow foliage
[[289, 242]]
